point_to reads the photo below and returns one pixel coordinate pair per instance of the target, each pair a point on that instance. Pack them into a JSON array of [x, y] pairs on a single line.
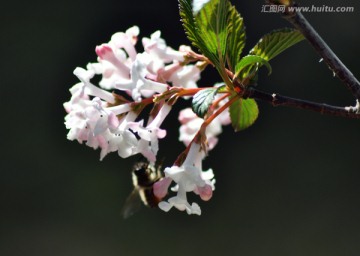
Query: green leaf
[[202, 100], [191, 28], [236, 38], [251, 60], [207, 30], [276, 42], [212, 22], [243, 113]]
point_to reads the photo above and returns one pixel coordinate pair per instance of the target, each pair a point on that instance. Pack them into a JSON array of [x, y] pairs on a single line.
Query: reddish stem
[[216, 102], [219, 111], [190, 91], [198, 138]]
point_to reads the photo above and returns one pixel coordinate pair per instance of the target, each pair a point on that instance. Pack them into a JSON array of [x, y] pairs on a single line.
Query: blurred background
[[289, 185]]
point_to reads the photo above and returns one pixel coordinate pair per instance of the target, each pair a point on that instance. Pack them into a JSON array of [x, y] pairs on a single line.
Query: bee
[[144, 176]]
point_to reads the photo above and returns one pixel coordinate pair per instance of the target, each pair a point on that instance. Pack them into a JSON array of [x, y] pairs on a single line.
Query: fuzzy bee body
[[144, 175]]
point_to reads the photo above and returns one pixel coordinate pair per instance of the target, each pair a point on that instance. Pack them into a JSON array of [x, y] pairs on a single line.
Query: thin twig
[[330, 58], [279, 100]]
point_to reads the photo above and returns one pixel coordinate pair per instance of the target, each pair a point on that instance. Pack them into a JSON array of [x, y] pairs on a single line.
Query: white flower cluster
[[140, 75], [104, 120]]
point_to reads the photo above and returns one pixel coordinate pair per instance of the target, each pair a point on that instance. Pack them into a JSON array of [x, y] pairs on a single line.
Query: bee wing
[[132, 204]]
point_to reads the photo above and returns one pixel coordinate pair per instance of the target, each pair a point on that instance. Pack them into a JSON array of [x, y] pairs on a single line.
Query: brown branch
[[279, 100], [330, 58]]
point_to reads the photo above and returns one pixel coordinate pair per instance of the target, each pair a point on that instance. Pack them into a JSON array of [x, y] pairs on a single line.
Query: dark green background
[[289, 185]]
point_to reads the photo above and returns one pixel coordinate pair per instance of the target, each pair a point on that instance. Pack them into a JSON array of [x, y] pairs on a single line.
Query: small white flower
[[113, 65], [148, 144], [75, 121], [126, 41], [115, 135], [116, 58], [113, 61], [90, 89], [139, 84], [122, 139], [190, 125], [180, 202], [160, 52], [189, 177], [186, 77], [79, 99]]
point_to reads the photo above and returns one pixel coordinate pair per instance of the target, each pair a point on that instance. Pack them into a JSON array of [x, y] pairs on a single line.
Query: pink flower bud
[[161, 187], [205, 192]]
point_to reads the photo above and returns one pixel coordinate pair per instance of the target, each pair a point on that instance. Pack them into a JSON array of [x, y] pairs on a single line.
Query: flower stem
[[219, 111], [200, 136], [190, 91], [216, 102]]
